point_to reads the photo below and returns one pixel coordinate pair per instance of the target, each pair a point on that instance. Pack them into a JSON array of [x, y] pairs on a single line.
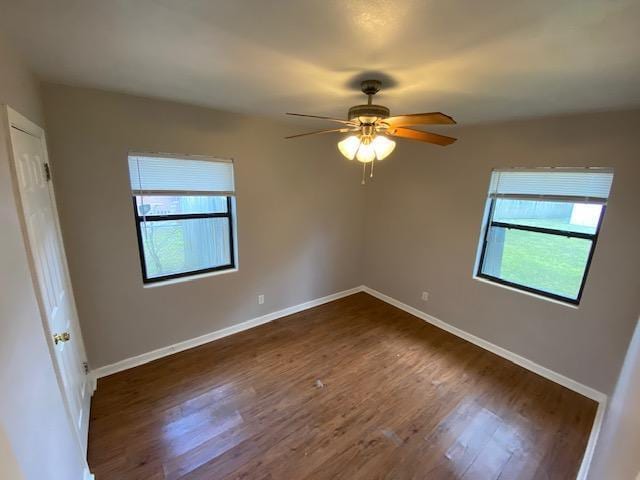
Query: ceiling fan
[[371, 126]]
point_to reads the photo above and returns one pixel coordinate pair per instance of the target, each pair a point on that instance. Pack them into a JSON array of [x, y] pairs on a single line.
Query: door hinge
[[47, 172], [85, 366]]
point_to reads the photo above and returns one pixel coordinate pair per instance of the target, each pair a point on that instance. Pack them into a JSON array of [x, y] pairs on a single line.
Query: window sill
[[188, 278], [524, 292]]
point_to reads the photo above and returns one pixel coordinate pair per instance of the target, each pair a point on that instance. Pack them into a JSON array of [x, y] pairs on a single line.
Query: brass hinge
[[85, 365], [47, 172]]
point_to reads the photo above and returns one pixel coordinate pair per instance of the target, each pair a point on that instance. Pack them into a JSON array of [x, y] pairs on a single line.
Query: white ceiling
[[478, 60]]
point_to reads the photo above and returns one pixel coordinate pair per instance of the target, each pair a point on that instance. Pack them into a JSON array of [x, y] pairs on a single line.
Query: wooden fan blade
[[421, 136], [433, 118], [346, 122], [341, 130]]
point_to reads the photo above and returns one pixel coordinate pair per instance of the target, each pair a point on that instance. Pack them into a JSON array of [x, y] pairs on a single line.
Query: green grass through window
[[546, 262]]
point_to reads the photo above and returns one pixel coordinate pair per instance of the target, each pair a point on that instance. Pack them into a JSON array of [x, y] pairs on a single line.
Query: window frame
[[184, 216], [593, 237]]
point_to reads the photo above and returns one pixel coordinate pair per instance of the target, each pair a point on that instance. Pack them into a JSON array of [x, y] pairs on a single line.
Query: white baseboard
[[593, 439], [555, 377], [209, 337], [502, 352]]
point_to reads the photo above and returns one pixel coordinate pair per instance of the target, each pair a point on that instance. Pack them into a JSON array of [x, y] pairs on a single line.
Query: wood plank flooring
[[354, 389]]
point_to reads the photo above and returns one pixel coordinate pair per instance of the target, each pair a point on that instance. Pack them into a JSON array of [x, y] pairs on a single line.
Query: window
[[183, 208], [541, 229]]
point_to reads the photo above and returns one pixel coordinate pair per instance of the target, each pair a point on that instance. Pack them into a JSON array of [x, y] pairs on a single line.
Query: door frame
[[11, 118]]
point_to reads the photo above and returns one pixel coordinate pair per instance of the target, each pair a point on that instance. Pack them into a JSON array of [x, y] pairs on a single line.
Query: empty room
[[318, 240]]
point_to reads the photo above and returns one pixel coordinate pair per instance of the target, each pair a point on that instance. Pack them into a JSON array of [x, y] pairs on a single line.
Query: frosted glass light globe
[[383, 146], [366, 153], [349, 146]]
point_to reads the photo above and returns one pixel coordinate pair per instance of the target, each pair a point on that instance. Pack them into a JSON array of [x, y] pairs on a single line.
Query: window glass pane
[[177, 205], [179, 246], [543, 261], [573, 217]]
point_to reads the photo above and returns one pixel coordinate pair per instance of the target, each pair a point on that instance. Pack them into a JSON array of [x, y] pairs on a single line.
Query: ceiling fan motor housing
[[378, 111]]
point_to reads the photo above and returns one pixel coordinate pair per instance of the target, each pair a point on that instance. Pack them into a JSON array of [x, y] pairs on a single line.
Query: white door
[[50, 268]]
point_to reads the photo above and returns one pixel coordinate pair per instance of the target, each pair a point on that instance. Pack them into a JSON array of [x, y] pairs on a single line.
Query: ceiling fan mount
[[369, 112], [370, 87], [371, 126]]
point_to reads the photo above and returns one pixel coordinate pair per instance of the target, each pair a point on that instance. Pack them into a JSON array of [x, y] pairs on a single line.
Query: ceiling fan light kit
[[371, 125], [365, 149]]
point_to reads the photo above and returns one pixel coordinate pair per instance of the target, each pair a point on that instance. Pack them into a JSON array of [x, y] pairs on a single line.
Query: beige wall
[[299, 210], [616, 454], [423, 220], [301, 221], [32, 416]]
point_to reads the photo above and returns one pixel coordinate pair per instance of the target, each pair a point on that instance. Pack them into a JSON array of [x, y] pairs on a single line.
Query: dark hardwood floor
[[354, 389]]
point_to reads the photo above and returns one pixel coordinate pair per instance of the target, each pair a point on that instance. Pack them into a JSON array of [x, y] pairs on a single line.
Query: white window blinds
[[588, 185], [175, 175]]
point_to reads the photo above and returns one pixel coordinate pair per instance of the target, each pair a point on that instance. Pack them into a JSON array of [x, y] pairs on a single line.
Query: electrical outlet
[[260, 299], [425, 296]]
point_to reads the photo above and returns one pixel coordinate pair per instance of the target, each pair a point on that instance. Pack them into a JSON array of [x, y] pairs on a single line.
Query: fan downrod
[[369, 112]]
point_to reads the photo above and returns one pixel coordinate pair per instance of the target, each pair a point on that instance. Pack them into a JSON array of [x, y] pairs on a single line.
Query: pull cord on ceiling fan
[[371, 126]]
